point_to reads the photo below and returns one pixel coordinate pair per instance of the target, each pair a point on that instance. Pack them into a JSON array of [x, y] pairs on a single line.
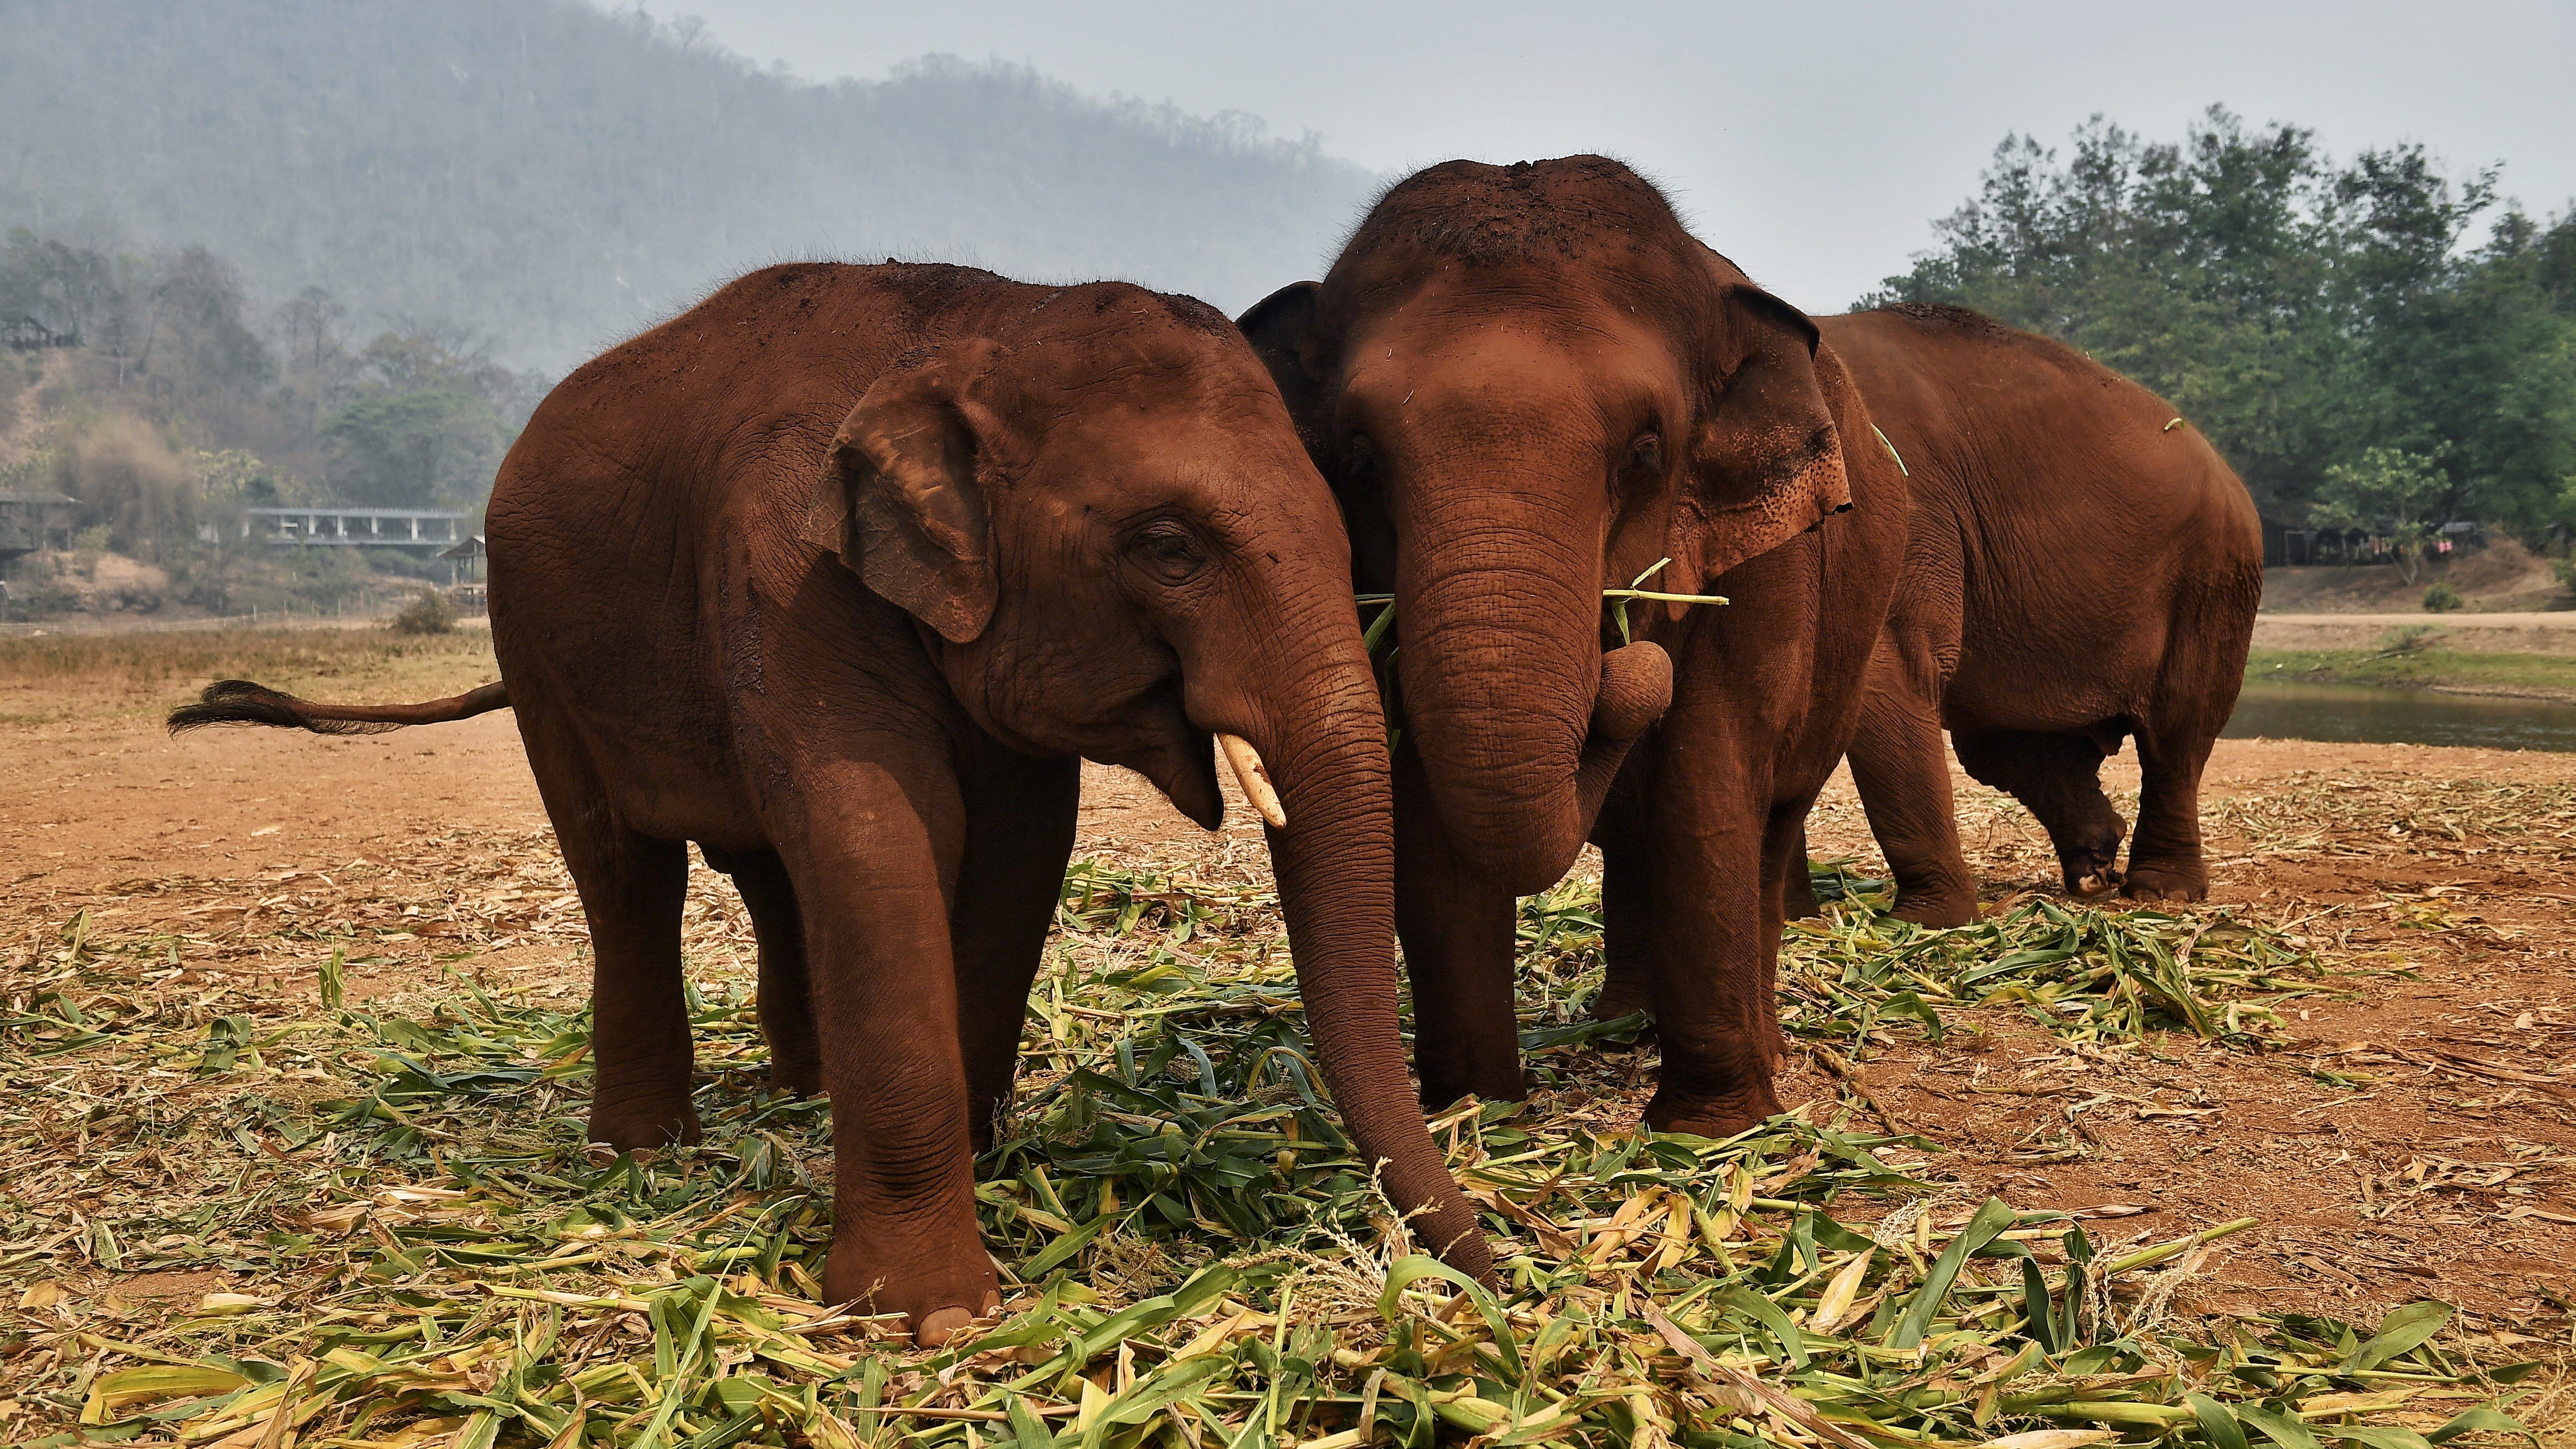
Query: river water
[[2362, 714]]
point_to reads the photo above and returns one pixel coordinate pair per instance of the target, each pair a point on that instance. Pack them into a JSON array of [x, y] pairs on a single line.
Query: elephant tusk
[[1254, 776]]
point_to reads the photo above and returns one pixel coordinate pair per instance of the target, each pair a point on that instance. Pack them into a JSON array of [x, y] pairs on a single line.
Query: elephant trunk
[[1521, 719], [1335, 866]]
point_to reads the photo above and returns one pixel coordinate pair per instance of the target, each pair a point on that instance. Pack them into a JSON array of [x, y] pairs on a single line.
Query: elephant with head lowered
[[1528, 384], [2082, 567], [839, 574]]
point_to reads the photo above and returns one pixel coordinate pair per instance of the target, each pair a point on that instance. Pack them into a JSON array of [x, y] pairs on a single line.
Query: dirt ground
[[2412, 1134], [2501, 577]]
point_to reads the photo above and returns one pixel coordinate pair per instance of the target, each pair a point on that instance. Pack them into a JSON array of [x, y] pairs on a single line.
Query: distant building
[[30, 522], [26, 334], [357, 527], [465, 561]]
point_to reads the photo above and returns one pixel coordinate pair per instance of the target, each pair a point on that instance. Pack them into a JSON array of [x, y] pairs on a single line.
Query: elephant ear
[[1280, 328], [899, 499], [1767, 462]]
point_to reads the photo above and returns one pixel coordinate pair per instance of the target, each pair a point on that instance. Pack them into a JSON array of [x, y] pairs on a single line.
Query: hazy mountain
[[554, 175]]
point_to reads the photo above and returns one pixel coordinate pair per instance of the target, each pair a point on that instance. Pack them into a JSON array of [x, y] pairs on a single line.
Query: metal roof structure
[[356, 527]]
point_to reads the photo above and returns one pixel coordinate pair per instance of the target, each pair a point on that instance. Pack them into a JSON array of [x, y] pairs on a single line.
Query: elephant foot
[[938, 1292], [2166, 881], [1722, 1115], [1936, 908], [2093, 883], [636, 1125]]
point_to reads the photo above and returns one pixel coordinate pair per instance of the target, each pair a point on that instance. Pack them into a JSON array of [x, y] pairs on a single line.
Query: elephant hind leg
[[786, 996], [1020, 817], [2058, 778], [2165, 859], [632, 887]]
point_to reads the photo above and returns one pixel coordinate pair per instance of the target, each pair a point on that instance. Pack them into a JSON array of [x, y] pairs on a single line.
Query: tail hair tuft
[[238, 701]]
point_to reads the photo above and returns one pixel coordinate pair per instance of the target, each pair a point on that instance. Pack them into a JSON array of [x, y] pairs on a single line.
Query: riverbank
[[2504, 633], [2407, 664]]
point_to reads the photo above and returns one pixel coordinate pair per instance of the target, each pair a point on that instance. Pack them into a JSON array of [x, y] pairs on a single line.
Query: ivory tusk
[[1254, 776]]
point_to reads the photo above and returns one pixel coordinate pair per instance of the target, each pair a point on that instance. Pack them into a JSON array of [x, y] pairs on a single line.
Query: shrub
[[427, 613], [2408, 639], [2441, 599]]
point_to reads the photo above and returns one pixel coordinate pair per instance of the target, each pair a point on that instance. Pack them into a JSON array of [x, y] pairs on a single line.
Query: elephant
[[839, 575], [2082, 566], [1529, 383]]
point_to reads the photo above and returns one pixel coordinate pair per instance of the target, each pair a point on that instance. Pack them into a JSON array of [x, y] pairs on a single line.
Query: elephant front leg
[[1458, 935], [1903, 773], [868, 880], [1716, 904]]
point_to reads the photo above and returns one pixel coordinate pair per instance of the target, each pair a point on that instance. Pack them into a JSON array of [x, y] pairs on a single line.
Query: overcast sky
[[1811, 143]]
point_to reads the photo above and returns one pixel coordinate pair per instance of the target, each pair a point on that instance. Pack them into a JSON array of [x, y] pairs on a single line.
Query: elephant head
[[1100, 516], [1527, 384]]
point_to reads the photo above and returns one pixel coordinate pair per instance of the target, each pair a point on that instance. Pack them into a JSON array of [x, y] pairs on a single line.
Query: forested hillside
[[551, 175], [2375, 345]]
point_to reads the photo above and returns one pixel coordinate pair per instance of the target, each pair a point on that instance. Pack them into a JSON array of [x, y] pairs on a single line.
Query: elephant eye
[[1168, 550], [1647, 452]]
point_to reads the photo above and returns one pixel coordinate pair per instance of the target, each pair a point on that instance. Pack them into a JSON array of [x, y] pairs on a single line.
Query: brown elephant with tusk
[[839, 574], [2083, 566], [1529, 383]]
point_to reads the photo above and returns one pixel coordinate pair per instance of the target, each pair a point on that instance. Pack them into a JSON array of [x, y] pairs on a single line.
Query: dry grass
[[54, 679], [381, 1224]]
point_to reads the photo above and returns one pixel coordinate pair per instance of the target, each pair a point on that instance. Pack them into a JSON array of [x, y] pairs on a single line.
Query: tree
[[2299, 313], [132, 488], [2386, 490], [196, 325], [415, 449]]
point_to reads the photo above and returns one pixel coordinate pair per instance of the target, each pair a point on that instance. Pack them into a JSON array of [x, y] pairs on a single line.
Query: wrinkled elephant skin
[[2082, 567], [1527, 384], [837, 575]]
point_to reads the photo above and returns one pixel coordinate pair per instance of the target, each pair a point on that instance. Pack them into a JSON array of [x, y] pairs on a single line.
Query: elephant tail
[[238, 701]]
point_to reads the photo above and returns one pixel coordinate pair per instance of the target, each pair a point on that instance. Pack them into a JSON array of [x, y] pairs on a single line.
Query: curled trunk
[[1521, 719]]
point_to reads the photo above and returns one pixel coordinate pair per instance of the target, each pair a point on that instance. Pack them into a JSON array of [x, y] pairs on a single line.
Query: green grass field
[[2539, 675]]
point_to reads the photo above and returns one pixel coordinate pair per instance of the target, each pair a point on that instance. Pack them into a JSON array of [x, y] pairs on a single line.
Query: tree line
[[557, 175], [171, 401], [2374, 344]]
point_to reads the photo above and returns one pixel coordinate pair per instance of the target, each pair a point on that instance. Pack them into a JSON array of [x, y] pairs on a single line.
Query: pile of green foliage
[[2337, 330], [1194, 1254]]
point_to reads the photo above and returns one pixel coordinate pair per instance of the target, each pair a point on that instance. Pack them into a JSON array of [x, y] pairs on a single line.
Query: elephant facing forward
[[1529, 383]]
